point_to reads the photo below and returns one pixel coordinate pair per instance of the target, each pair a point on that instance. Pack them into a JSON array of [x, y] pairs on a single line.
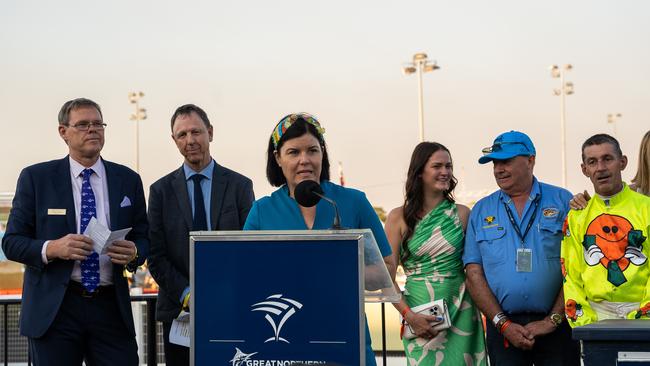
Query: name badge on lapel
[[56, 211]]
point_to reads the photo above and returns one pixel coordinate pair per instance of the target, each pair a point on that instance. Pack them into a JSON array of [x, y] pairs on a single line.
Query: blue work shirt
[[206, 187], [492, 242], [281, 212]]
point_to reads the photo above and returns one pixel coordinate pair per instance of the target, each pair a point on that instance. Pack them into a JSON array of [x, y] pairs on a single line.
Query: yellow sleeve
[[576, 307], [644, 311]]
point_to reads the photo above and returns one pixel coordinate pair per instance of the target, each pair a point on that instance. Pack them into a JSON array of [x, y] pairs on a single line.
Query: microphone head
[[304, 193]]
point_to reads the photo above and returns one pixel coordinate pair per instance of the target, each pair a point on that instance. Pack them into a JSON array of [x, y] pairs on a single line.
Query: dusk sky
[[250, 63]]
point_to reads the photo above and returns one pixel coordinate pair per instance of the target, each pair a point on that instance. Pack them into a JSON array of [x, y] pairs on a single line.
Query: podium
[[283, 297], [615, 342]]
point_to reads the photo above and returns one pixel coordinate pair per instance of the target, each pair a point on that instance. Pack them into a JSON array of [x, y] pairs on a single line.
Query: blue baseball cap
[[508, 145]]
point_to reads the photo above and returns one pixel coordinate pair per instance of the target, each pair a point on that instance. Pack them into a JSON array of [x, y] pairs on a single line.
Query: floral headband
[[289, 120]]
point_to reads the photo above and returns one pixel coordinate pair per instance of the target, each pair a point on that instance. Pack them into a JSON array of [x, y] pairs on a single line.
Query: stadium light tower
[[566, 88], [140, 114], [613, 118], [420, 65]]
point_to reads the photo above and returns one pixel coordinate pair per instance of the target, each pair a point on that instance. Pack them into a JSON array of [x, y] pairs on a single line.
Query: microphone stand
[[337, 218]]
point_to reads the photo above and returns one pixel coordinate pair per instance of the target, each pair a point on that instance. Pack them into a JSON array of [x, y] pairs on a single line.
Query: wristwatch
[[132, 266], [500, 323], [556, 319]]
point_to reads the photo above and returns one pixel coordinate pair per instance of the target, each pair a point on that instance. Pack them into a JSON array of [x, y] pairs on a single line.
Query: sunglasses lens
[[491, 149]]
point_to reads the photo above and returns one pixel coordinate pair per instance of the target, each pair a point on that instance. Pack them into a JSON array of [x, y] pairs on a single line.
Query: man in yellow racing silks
[[605, 248]]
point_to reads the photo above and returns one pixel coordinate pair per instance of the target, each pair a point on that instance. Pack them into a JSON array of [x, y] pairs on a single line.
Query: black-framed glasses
[[498, 146], [86, 125]]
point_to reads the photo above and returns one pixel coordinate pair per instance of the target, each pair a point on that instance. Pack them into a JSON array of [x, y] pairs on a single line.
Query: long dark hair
[[414, 196]]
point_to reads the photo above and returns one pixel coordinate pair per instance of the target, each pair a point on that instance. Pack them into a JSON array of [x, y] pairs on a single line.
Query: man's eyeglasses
[[86, 125], [498, 146]]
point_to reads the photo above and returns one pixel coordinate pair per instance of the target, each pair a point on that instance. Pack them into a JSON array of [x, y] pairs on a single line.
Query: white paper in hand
[[115, 235], [180, 332], [98, 233], [102, 236]]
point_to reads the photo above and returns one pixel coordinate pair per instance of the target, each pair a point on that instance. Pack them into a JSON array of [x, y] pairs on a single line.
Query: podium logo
[[244, 359], [240, 357], [278, 310]]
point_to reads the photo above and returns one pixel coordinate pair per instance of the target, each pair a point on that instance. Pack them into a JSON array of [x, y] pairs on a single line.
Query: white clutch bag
[[437, 308]]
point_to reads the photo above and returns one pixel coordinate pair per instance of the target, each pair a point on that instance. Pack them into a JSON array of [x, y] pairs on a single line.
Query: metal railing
[[151, 343]]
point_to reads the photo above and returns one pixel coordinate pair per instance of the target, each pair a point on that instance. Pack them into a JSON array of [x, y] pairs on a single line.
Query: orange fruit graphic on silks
[[612, 241], [611, 236]]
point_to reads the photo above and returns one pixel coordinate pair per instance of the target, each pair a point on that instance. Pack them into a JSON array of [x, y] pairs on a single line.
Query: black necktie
[[200, 222]]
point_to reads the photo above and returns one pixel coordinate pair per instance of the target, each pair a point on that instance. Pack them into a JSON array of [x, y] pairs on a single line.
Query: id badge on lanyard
[[524, 260]]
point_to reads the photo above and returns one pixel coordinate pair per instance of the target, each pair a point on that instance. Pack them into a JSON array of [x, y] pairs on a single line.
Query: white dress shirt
[[99, 184]]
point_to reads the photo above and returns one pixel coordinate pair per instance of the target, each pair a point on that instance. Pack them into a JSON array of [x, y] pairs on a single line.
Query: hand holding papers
[[180, 331], [102, 236]]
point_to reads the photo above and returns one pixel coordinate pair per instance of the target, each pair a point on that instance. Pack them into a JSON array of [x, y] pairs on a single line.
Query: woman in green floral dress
[[427, 235]]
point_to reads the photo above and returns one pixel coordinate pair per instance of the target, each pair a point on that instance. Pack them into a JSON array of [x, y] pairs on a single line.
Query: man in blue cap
[[512, 260]]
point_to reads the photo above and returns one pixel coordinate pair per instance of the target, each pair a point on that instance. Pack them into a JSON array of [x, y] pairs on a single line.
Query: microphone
[[308, 193], [305, 193]]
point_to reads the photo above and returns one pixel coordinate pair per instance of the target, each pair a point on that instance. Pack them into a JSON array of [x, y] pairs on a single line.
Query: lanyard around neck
[[530, 221]]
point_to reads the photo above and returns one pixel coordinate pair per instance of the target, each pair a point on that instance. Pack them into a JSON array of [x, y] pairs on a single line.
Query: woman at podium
[[296, 153], [426, 236]]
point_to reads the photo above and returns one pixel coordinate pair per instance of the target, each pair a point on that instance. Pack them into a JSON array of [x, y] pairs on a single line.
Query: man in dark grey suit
[[201, 195]]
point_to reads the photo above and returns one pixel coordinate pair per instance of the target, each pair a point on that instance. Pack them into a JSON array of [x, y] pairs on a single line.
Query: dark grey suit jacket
[[170, 221]]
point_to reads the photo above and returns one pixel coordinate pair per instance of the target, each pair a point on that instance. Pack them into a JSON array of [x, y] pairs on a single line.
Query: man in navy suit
[[75, 304], [201, 195]]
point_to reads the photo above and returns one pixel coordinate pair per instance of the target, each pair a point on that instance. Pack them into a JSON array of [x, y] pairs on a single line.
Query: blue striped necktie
[[89, 266]]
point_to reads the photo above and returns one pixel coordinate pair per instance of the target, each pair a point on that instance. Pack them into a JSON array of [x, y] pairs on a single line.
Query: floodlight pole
[[420, 65], [139, 115], [566, 88]]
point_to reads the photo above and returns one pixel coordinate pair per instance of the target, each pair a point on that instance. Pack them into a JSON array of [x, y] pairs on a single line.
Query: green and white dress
[[434, 270]]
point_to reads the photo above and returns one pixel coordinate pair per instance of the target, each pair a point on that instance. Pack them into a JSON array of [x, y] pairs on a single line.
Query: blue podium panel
[[285, 301], [615, 342]]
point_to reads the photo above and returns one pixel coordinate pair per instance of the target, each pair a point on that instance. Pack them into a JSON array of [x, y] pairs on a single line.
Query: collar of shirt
[[98, 168], [613, 200], [206, 188], [207, 171], [534, 193]]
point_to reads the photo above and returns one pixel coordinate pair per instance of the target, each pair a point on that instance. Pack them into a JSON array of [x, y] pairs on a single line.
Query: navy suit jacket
[[170, 219], [46, 186]]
